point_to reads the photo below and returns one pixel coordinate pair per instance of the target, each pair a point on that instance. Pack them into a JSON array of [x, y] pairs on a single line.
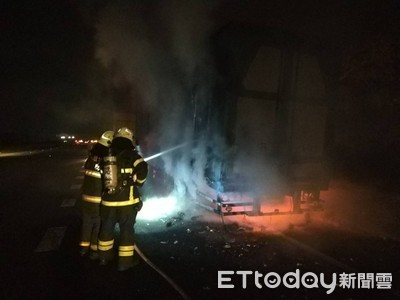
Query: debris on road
[[173, 220], [227, 246]]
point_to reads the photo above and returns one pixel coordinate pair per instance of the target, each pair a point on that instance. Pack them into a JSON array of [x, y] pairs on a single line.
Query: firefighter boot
[[105, 250], [83, 251], [105, 258], [103, 261], [126, 263], [94, 255]]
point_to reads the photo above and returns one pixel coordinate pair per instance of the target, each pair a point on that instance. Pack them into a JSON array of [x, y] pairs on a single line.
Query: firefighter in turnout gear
[[91, 195], [121, 201]]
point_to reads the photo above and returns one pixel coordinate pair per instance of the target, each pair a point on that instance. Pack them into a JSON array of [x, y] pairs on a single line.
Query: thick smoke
[[160, 49]]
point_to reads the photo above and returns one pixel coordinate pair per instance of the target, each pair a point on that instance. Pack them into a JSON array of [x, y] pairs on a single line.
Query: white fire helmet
[[106, 138], [124, 132]]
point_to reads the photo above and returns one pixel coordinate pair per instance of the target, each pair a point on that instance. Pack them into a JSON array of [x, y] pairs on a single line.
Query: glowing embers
[[157, 207], [281, 205]]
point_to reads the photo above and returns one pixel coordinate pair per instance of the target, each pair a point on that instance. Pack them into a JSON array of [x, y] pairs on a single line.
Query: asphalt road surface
[[39, 236]]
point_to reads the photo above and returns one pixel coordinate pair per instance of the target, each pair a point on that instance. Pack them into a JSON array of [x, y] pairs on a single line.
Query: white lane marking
[[68, 202], [79, 177], [51, 239], [22, 153], [75, 187]]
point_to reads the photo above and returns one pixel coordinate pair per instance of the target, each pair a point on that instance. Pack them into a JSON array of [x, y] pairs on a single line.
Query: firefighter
[[122, 203], [91, 196]]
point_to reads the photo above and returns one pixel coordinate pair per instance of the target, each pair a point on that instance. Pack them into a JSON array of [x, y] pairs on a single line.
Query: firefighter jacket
[[92, 182], [132, 173]]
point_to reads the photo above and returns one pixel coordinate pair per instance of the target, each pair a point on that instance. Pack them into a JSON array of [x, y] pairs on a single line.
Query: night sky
[[53, 80], [47, 51]]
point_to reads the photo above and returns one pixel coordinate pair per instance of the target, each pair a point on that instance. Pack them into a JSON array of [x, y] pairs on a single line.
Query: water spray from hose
[[164, 152]]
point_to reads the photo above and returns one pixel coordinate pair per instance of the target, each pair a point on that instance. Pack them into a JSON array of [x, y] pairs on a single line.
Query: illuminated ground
[[189, 244]]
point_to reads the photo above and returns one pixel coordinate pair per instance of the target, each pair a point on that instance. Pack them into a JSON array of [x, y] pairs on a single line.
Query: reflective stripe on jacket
[[92, 182]]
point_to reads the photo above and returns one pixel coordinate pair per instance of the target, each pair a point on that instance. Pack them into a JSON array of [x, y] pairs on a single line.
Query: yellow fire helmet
[[124, 132], [106, 138]]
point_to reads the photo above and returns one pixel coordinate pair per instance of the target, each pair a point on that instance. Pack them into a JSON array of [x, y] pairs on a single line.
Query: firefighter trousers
[[90, 225], [125, 216]]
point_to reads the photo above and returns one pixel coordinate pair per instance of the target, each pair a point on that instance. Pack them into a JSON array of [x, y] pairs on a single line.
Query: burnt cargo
[[273, 101]]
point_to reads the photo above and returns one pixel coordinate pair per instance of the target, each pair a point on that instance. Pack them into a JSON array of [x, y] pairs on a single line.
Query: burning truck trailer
[[273, 107]]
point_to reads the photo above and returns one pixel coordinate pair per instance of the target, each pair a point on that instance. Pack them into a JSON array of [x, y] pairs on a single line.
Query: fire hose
[[163, 275]]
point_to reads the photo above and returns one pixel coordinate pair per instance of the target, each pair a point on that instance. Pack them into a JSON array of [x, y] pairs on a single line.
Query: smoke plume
[[160, 49]]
